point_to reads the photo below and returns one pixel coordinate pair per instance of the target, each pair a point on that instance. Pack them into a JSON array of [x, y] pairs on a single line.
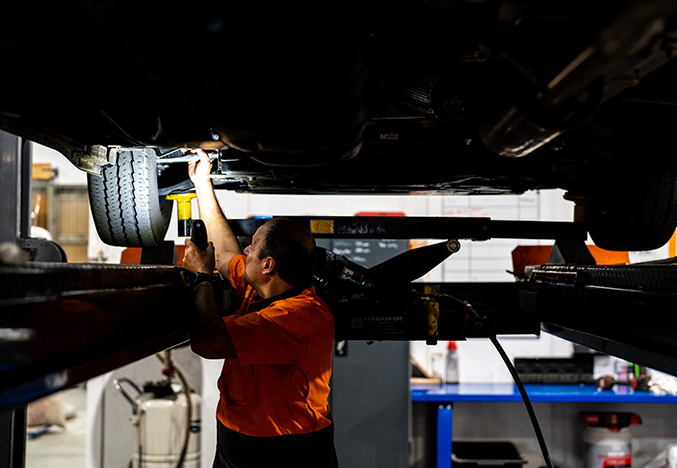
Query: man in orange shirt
[[277, 346]]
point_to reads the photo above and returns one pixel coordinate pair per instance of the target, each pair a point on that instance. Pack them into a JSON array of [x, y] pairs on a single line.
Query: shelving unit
[[446, 395]]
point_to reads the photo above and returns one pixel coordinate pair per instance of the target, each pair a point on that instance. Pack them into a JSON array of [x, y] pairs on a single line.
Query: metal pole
[[11, 177], [13, 438], [15, 201]]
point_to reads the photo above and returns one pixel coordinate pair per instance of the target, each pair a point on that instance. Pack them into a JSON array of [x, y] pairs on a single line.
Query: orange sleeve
[[235, 273]]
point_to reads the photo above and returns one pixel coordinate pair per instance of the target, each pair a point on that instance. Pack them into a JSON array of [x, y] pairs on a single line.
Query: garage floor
[[61, 447]]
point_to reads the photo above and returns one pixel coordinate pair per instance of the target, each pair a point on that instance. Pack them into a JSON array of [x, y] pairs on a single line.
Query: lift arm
[[61, 324], [623, 310]]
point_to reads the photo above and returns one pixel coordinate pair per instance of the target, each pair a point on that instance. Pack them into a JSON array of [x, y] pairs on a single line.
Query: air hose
[[515, 376]]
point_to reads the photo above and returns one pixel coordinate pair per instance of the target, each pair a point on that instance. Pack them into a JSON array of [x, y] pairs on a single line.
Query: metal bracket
[[43, 250], [93, 158], [570, 252]]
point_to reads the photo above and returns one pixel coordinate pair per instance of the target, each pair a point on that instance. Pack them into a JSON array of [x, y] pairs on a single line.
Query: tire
[[639, 212], [125, 204]]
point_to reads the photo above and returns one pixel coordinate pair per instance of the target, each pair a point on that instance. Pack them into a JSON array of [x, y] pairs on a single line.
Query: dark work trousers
[[314, 450]]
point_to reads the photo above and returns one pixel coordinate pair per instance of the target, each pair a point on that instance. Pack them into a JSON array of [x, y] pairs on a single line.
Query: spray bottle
[[451, 369]]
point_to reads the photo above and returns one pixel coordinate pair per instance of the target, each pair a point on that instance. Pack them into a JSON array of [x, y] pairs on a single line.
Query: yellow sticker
[[432, 310], [321, 226]]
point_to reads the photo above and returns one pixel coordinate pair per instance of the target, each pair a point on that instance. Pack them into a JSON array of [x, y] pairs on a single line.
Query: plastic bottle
[[451, 369]]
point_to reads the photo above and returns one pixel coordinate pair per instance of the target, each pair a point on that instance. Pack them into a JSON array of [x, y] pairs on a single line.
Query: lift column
[[15, 199]]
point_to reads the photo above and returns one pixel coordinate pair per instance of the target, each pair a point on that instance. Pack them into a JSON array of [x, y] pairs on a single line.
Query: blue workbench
[[448, 394]]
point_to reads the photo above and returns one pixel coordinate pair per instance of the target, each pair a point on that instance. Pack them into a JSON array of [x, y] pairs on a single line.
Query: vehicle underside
[[458, 97]]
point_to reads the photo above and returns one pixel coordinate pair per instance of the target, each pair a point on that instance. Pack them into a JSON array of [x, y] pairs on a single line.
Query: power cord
[[516, 378]]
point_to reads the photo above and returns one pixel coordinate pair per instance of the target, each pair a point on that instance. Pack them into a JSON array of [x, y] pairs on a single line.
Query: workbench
[[445, 395]]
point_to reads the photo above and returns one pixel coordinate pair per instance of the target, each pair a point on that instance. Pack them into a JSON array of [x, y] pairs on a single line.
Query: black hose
[[518, 381], [527, 401]]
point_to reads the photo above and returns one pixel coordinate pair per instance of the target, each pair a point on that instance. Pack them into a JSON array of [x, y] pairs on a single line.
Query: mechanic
[[277, 346]]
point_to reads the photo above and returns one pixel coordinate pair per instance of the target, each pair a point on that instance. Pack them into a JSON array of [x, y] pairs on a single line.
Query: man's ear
[[268, 265]]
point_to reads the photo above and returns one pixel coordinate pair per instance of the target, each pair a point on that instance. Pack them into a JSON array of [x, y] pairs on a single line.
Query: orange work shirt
[[279, 383]]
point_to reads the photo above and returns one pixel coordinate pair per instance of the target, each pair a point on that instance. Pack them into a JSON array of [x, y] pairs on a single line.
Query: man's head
[[291, 248]]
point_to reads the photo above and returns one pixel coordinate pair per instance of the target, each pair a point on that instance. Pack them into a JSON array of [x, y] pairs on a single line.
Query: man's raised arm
[[226, 245]]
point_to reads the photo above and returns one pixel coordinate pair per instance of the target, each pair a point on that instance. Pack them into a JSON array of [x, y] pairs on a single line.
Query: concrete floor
[[61, 447]]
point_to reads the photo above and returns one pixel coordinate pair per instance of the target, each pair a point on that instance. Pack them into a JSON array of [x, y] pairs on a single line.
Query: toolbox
[[576, 370]]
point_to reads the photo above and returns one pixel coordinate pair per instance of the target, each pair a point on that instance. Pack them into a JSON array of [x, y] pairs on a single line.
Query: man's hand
[[198, 260], [199, 170], [209, 336]]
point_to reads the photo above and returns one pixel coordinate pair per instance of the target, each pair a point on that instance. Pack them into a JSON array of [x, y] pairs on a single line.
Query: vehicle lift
[[62, 324]]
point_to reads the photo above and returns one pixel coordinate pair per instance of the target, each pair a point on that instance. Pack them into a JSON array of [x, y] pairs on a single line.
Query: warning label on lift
[[382, 325]]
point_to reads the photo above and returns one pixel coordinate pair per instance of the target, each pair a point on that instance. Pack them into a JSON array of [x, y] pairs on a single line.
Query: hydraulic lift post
[[15, 196]]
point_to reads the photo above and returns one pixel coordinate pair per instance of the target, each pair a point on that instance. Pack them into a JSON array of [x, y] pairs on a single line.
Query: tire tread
[[125, 204]]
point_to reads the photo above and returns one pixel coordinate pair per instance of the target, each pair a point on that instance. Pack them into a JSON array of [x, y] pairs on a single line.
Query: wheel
[[638, 212], [125, 204]]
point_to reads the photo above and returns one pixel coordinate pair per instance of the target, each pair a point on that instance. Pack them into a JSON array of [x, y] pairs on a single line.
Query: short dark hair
[[293, 248]]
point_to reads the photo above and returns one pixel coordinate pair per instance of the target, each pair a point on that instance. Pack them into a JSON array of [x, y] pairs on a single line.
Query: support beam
[[359, 227], [398, 314]]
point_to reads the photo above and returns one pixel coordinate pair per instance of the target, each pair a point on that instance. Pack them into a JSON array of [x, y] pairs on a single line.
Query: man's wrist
[[204, 184], [201, 277]]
